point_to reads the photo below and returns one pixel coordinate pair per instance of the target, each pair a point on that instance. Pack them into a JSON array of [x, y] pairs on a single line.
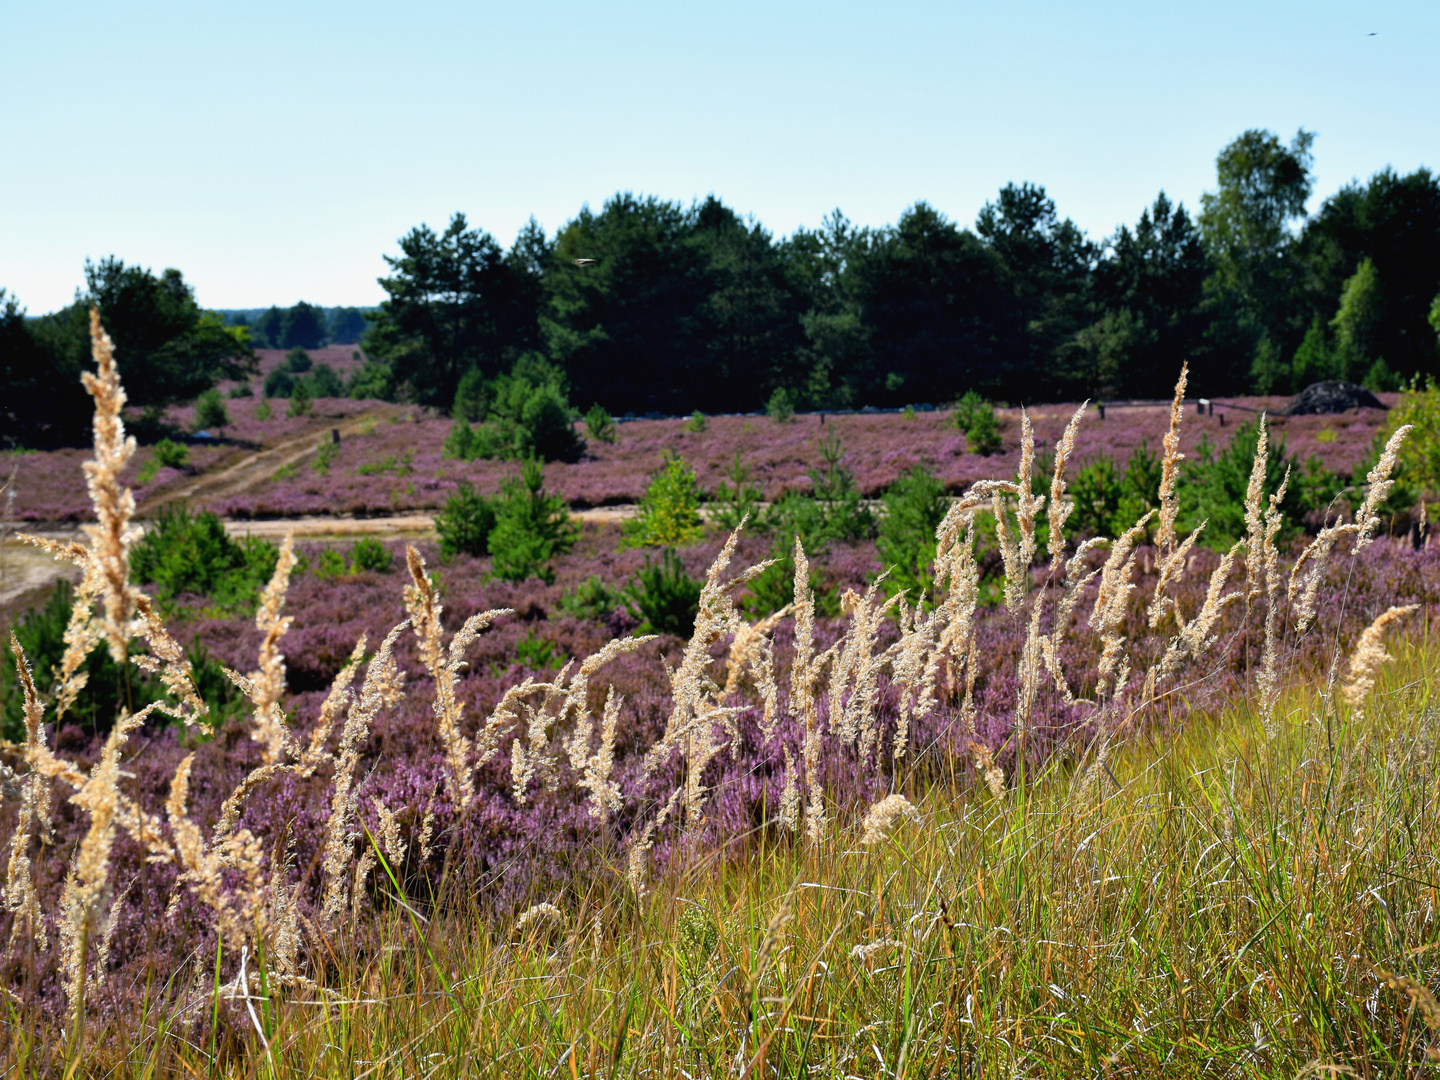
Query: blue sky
[[275, 151]]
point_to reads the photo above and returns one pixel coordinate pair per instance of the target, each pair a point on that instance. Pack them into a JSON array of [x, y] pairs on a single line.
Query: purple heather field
[[398, 466], [492, 847]]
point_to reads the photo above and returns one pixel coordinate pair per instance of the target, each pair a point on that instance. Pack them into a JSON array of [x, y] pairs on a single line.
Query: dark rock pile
[[1332, 396]]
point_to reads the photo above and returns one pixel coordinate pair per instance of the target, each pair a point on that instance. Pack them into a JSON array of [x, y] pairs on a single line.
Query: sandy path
[[260, 466]]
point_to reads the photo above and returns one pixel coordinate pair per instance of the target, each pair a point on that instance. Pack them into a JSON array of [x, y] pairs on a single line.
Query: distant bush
[[191, 553], [262, 411], [325, 455], [664, 598], [1417, 473], [600, 425], [324, 382], [915, 504], [521, 415], [330, 564], [733, 502], [532, 526], [834, 510], [697, 422], [1213, 484], [297, 361], [669, 511], [371, 380], [210, 412], [241, 390], [781, 406], [165, 455], [300, 402], [1108, 501], [976, 418], [591, 600], [370, 554], [464, 523]]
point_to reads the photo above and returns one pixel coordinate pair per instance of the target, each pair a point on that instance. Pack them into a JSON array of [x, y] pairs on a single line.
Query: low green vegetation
[[365, 555], [976, 418], [522, 528], [781, 406], [600, 425], [210, 412], [184, 553], [905, 534], [664, 597], [737, 500], [521, 415], [697, 423]]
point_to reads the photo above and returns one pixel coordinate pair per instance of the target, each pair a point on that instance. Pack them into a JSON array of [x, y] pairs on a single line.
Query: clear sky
[[275, 151]]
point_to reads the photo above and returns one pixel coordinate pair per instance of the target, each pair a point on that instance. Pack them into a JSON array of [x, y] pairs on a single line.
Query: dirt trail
[[260, 466]]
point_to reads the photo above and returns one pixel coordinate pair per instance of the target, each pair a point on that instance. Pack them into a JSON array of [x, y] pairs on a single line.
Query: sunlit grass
[[1222, 905]]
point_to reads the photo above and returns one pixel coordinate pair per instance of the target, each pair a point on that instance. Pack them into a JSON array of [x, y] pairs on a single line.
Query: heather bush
[[532, 526], [191, 553], [465, 523], [893, 785], [669, 514], [664, 597]]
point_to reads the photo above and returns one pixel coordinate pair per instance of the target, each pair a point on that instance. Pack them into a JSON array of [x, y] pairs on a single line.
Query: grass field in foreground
[[1227, 903]]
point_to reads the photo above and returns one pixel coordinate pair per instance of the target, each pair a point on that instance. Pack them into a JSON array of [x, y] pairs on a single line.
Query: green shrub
[[591, 600], [330, 564], [536, 653], [370, 554], [191, 553], [669, 512], [664, 598], [371, 380], [1108, 501], [210, 412], [600, 425], [733, 502], [324, 382], [531, 527], [297, 361], [464, 523], [241, 391], [834, 509], [697, 422], [109, 687], [915, 504], [403, 465], [325, 455], [781, 406], [171, 455], [521, 415], [300, 402], [976, 418], [1213, 484], [279, 383], [262, 411], [1417, 465]]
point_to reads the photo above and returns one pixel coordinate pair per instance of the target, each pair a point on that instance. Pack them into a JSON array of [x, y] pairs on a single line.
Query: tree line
[[647, 305]]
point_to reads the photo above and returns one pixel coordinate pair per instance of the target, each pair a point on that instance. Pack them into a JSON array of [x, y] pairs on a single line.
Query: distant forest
[[647, 305]]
